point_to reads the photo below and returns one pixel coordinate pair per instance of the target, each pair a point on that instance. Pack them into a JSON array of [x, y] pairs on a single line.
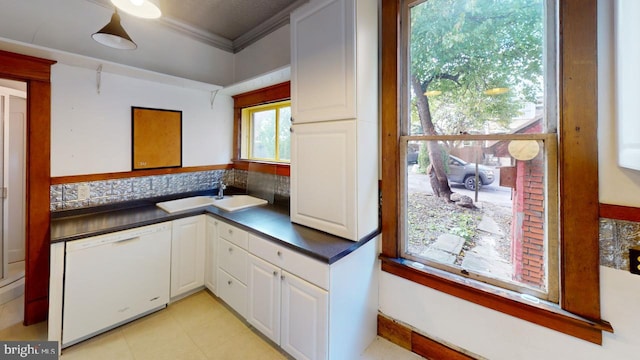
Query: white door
[[264, 298], [187, 254], [13, 117], [14, 165], [304, 319]]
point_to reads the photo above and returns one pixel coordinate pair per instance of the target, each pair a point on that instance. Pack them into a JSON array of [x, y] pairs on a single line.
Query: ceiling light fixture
[[147, 9], [113, 35]]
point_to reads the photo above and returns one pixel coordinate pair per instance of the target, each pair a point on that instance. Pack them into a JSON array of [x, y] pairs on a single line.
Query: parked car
[[412, 156], [463, 172]]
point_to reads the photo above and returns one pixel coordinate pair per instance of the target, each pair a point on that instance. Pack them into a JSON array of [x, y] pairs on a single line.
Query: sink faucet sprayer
[[221, 188]]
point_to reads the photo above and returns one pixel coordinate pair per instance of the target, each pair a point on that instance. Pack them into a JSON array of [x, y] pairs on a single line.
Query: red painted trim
[[619, 212]]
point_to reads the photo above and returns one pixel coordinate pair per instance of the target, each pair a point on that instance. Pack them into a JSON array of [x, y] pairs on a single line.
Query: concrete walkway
[[482, 259]]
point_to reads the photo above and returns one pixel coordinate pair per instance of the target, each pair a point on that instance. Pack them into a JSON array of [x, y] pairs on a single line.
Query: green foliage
[[464, 47], [424, 161], [466, 226]]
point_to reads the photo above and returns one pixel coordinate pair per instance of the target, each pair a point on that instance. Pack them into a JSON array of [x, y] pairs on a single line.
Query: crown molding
[[270, 25], [275, 22]]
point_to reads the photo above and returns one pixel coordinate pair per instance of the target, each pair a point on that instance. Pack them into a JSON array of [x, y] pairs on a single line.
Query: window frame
[[266, 95], [248, 131], [578, 313]]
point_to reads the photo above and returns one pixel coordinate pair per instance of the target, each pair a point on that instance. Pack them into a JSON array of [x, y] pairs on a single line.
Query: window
[[455, 91], [267, 100], [472, 67], [265, 132]]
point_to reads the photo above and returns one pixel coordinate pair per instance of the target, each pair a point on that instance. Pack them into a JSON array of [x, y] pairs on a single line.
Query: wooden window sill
[[508, 302]]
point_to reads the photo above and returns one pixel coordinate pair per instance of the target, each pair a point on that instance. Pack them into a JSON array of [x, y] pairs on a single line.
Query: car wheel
[[470, 182]]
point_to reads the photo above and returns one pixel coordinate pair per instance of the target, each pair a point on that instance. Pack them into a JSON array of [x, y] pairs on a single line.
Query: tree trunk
[[436, 171]]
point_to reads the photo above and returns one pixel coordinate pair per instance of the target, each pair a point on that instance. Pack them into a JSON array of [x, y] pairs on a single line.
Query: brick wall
[[528, 249]]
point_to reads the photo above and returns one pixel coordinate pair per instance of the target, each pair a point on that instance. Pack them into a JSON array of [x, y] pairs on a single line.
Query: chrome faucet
[[221, 188]]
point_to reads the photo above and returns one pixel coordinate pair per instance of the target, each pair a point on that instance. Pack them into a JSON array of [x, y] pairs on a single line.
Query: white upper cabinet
[[334, 101], [323, 177], [323, 76]]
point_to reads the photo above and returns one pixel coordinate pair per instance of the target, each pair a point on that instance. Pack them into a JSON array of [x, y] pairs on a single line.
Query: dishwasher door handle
[[123, 241]]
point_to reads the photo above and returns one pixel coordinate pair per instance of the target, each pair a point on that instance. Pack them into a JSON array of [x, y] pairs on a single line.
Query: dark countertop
[[268, 221]]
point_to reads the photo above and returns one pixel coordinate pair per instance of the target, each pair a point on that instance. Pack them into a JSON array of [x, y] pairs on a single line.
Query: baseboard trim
[[407, 338]]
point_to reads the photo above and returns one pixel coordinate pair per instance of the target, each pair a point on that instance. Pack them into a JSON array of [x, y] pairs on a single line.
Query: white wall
[[498, 336], [91, 132], [269, 53], [67, 25], [617, 185]]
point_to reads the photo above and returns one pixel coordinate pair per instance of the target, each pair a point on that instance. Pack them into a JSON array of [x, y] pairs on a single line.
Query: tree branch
[[450, 77]]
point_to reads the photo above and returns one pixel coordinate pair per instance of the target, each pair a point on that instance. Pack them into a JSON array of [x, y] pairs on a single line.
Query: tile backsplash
[[616, 236], [105, 192]]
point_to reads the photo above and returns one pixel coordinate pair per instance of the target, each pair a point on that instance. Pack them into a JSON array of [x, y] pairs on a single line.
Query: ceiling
[[230, 25]]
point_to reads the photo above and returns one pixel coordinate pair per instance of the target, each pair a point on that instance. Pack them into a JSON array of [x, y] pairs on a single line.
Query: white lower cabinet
[[210, 258], [288, 310], [304, 320], [232, 260], [288, 298], [313, 310], [264, 297], [187, 254]]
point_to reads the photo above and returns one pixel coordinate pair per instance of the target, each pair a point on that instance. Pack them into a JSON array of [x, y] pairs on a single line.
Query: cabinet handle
[[275, 273], [279, 253], [281, 277], [229, 282], [230, 231], [230, 250]]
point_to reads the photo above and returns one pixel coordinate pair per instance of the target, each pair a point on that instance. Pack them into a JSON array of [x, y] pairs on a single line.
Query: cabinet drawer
[[312, 270], [232, 292], [233, 260], [233, 235]]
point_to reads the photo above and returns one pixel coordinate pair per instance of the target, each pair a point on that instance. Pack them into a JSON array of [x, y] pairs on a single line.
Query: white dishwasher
[[115, 278]]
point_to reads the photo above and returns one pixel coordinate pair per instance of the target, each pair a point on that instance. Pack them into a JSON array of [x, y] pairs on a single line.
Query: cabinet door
[[210, 264], [187, 254], [304, 318], [323, 61], [263, 310], [323, 177]]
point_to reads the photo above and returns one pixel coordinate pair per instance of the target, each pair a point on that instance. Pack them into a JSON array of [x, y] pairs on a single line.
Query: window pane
[[497, 233], [479, 207], [263, 144], [284, 134], [476, 66]]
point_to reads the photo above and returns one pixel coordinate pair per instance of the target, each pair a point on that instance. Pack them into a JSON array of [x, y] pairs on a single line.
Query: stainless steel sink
[[228, 203]]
